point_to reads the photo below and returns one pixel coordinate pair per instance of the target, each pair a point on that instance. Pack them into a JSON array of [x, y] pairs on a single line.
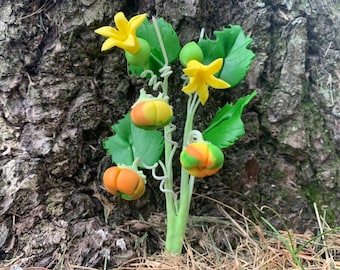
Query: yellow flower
[[124, 36], [201, 76]]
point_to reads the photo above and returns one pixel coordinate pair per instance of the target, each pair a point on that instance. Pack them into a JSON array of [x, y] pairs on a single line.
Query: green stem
[[168, 149], [176, 220], [192, 106], [168, 184], [169, 197], [176, 225]]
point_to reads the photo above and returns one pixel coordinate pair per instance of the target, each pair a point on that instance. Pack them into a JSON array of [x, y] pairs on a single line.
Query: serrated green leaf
[[231, 45], [130, 142], [119, 149], [227, 126], [170, 40]]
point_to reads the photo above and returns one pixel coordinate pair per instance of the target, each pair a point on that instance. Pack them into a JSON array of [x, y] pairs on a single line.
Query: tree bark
[[59, 95]]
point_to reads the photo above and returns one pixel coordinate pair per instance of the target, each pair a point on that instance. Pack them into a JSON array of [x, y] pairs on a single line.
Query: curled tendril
[[195, 136], [153, 82], [174, 144], [161, 178], [165, 71]]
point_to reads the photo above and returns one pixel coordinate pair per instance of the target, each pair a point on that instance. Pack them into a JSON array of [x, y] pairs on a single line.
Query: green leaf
[[227, 125], [170, 40], [130, 142], [231, 45]]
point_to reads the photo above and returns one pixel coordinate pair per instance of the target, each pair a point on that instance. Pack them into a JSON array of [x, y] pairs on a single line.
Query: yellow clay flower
[[201, 76], [124, 36]]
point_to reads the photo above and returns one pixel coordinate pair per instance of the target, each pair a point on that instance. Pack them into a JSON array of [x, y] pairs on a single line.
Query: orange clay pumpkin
[[124, 182], [151, 114], [202, 159]]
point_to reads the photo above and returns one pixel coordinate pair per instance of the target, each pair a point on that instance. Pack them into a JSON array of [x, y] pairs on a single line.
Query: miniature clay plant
[[143, 138]]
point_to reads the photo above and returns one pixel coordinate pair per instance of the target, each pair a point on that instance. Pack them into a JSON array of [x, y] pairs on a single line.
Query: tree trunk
[[59, 95]]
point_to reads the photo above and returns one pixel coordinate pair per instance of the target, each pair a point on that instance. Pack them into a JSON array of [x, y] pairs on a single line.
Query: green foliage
[[131, 142], [171, 43], [227, 125], [231, 45]]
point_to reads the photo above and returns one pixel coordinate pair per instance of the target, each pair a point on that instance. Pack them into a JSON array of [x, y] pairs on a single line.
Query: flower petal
[[136, 21], [131, 44], [190, 72], [107, 31], [216, 83], [203, 93], [124, 36], [110, 43], [191, 87], [122, 24], [192, 68], [215, 66], [202, 76]]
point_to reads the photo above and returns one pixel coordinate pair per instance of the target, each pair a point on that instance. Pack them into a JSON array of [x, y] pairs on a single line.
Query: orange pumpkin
[[151, 114], [125, 182], [202, 159]]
